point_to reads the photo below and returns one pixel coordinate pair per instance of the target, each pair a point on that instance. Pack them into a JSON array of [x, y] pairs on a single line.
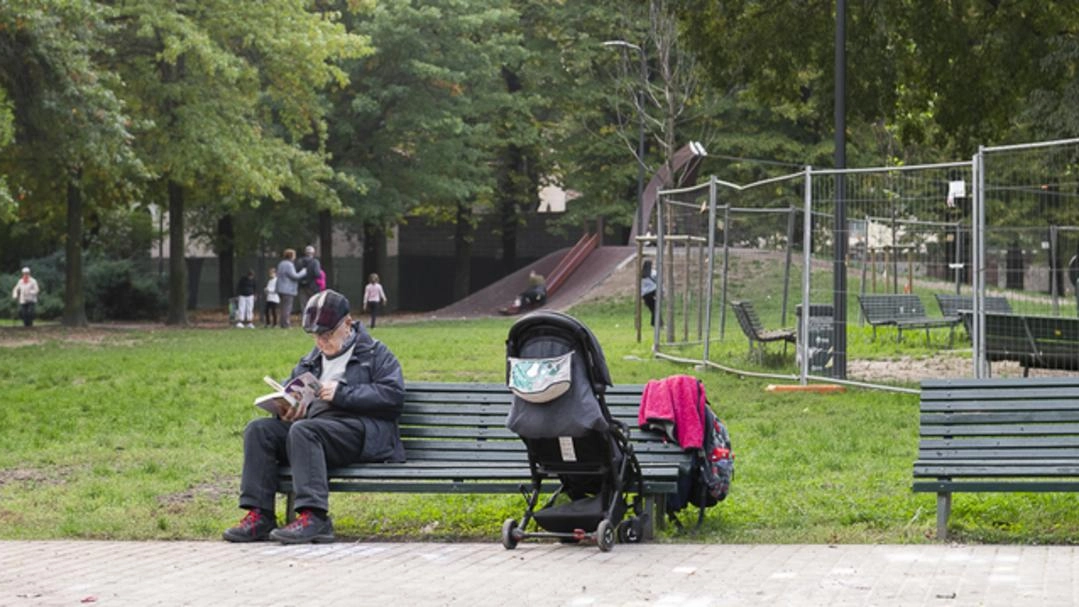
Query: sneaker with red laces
[[255, 527], [307, 528]]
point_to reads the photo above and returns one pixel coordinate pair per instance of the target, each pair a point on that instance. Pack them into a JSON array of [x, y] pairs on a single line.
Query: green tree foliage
[[414, 131], [952, 74], [231, 90], [71, 132]]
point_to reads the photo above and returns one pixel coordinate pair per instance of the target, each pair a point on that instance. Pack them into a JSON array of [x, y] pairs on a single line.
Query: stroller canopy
[[581, 409], [549, 323]]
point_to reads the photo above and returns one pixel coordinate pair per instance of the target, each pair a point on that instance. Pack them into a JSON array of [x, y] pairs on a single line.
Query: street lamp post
[[639, 227]]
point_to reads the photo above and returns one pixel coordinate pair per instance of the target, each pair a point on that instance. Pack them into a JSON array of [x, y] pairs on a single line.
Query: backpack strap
[[702, 457]]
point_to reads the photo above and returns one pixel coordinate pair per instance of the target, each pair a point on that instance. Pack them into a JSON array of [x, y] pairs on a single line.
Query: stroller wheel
[[629, 530], [509, 534], [605, 536]]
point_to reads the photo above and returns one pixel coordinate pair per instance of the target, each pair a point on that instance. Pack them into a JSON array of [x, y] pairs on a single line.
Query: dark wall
[[420, 277], [426, 258]]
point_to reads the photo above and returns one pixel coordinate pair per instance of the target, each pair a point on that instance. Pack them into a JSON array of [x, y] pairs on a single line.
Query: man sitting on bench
[[354, 419]]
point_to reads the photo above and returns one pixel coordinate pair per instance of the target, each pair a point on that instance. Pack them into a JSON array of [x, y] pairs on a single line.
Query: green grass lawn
[[137, 435]]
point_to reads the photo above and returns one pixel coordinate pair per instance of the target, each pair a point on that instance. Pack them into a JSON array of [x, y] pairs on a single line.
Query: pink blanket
[[674, 403]]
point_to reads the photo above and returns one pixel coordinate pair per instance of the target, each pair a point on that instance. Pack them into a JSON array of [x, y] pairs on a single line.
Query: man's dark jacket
[[372, 390]]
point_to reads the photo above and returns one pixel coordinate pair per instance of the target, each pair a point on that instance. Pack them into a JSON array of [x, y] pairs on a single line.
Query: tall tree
[[70, 130], [413, 133], [231, 89]]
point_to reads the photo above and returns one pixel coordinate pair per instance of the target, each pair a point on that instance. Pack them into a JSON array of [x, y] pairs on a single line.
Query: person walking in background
[[245, 308], [288, 280], [26, 292], [373, 297], [269, 307], [309, 283], [648, 290]]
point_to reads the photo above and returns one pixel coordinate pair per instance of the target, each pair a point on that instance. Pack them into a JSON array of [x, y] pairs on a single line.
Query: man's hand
[[328, 389], [291, 414]]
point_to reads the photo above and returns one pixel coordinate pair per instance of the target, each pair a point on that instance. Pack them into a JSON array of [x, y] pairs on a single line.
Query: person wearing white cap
[[26, 291]]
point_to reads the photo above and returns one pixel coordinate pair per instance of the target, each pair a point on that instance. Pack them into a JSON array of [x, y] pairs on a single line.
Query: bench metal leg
[[658, 509], [944, 510], [648, 530], [290, 507]]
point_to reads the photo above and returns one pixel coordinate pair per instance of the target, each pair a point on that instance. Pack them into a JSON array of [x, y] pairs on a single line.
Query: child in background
[[245, 309], [269, 309], [373, 297]]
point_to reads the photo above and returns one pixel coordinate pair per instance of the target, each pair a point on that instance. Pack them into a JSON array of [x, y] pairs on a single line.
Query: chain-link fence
[[931, 252]]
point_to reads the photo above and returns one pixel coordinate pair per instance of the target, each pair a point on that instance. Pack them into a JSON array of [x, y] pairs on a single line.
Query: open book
[[301, 390]]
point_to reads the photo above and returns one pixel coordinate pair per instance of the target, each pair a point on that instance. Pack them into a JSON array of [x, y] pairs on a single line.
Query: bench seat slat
[[944, 486], [650, 487]]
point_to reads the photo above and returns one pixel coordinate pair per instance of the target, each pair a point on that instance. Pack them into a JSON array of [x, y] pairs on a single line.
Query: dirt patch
[[52, 476], [211, 491]]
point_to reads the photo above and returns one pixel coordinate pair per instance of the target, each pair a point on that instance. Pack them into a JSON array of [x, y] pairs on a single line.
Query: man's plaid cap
[[325, 310]]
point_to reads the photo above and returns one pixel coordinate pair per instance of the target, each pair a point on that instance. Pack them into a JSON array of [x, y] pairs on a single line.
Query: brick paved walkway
[[405, 574]]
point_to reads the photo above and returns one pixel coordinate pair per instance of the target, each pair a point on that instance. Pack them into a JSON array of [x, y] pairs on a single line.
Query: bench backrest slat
[[951, 305], [750, 328]]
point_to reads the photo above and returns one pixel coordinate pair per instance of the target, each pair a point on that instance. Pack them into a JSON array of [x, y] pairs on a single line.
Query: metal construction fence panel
[[931, 252]]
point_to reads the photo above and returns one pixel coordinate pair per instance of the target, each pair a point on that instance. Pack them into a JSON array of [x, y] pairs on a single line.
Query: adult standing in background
[[648, 290], [288, 281], [311, 264], [25, 292], [373, 297]]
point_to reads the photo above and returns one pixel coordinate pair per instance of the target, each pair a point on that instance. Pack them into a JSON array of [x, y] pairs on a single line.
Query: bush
[[115, 290], [118, 290]]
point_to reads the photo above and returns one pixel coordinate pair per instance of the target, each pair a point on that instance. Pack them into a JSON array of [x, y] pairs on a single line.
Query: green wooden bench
[[1034, 341], [456, 441], [997, 435], [901, 311], [754, 330], [951, 305]]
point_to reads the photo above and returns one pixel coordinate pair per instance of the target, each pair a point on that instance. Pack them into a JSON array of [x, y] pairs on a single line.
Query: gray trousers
[[285, 309], [308, 446]]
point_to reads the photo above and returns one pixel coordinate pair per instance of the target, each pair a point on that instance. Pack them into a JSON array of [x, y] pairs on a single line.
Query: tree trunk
[[462, 251], [177, 314], [511, 176], [372, 249], [325, 246], [226, 257], [74, 295]]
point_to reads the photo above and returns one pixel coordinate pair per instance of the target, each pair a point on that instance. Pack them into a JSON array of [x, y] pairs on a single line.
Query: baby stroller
[[558, 374]]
